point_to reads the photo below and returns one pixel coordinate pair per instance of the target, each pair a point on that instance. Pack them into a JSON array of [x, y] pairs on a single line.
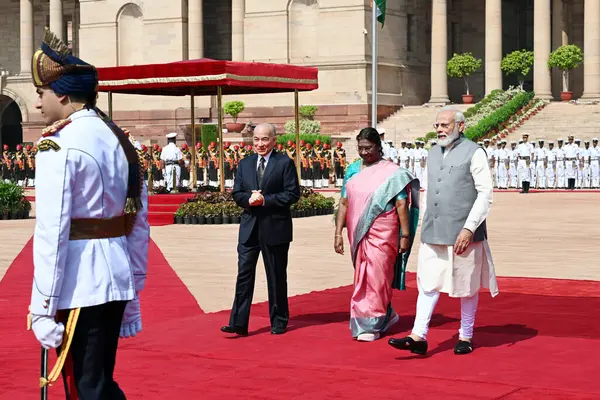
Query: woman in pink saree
[[380, 209]]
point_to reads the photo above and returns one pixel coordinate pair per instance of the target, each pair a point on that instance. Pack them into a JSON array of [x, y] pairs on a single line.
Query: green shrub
[[13, 201], [209, 134], [566, 58], [519, 63], [307, 126], [308, 112], [462, 66], [501, 115], [234, 108]]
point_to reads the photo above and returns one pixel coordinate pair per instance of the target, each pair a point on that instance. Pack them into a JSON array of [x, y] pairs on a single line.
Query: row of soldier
[[566, 166], [319, 164], [18, 166]]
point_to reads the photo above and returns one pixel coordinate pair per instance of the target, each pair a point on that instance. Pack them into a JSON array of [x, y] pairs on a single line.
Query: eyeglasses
[[442, 125]]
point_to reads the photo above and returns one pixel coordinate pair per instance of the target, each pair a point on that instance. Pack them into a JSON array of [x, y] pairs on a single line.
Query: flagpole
[[374, 67]]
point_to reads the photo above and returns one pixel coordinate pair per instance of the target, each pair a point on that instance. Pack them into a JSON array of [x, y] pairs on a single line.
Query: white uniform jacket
[[82, 173]]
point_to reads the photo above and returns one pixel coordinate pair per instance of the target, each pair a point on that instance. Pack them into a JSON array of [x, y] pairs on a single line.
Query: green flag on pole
[[380, 11]]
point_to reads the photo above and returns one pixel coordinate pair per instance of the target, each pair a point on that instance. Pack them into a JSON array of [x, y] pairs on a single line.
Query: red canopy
[[204, 76]]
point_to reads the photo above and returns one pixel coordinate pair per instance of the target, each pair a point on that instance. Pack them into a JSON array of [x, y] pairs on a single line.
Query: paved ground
[[549, 235]]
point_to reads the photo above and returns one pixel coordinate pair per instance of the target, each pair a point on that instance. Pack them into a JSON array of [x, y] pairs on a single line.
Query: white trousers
[[550, 177], [502, 175], [541, 175], [513, 175], [595, 167], [169, 175], [560, 174], [524, 172], [426, 304]]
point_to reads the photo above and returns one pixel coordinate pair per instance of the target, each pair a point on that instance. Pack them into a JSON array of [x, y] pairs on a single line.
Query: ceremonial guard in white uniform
[[541, 162], [502, 165], [90, 244], [513, 158], [489, 151], [404, 155], [551, 166], [595, 163], [579, 164], [560, 164], [585, 163], [525, 151], [171, 155], [571, 163]]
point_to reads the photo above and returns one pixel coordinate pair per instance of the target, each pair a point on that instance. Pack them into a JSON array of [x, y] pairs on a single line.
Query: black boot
[[523, 184]]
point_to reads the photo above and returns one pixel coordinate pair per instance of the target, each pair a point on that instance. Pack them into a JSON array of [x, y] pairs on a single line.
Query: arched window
[[130, 35]]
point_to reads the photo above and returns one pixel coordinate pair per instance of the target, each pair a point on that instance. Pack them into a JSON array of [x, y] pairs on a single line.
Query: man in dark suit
[[266, 185]]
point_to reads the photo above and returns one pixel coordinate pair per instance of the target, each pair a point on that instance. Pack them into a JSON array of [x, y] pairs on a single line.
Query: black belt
[[171, 162]]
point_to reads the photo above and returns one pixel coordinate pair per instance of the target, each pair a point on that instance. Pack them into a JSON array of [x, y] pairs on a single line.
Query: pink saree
[[373, 231]]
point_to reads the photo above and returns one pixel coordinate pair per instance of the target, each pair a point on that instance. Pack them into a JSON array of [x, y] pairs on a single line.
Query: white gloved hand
[[132, 319], [47, 331]]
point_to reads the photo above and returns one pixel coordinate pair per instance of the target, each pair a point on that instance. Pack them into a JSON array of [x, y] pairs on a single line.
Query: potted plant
[[179, 214], [234, 108], [218, 213], [462, 66], [226, 212], [294, 210], [566, 58], [236, 214], [210, 212], [187, 213], [518, 63], [201, 212]]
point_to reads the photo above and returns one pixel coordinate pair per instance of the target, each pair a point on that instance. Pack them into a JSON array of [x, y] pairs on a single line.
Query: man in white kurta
[[454, 256]]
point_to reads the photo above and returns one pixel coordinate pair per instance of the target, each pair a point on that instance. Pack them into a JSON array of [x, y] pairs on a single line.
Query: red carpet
[[539, 339]]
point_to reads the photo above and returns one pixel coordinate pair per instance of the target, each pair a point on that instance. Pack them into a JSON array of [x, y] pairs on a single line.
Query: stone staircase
[[412, 122], [558, 120]]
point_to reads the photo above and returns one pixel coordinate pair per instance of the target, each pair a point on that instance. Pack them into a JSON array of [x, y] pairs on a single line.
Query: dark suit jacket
[[280, 188]]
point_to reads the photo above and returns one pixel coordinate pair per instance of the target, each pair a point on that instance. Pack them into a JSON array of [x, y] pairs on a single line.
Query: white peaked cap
[[171, 135]]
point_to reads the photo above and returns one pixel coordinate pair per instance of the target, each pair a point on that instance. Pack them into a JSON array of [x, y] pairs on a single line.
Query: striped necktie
[[261, 170]]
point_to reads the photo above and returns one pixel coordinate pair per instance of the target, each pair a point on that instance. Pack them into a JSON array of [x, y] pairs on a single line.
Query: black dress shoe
[[277, 331], [463, 347], [234, 329], [408, 343]]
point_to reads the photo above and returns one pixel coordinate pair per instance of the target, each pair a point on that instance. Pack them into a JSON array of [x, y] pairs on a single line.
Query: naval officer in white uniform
[[91, 235], [171, 155]]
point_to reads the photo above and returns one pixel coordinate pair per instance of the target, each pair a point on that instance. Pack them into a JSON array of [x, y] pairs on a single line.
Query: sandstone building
[[333, 35]]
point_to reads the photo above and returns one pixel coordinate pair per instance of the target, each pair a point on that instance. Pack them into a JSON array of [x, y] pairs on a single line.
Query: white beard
[[451, 138]]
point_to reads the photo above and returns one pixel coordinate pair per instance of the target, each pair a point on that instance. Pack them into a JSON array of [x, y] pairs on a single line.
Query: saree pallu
[[374, 234]]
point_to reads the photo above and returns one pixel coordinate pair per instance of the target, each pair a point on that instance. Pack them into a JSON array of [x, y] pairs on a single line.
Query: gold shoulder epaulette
[[55, 127]]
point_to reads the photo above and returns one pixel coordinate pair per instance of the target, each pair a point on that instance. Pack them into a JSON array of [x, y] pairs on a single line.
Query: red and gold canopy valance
[[203, 76]]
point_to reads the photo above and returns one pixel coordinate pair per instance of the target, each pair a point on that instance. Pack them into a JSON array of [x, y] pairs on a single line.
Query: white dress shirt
[[266, 157]]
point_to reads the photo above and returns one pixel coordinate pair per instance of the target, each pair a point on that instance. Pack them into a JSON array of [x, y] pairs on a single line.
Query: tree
[[463, 65], [519, 63], [566, 58], [234, 108]]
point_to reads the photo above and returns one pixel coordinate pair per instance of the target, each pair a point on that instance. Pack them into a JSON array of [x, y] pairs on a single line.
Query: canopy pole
[[110, 105], [374, 69], [193, 150], [297, 119], [220, 128]]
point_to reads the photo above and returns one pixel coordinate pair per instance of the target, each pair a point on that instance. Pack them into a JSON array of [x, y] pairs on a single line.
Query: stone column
[[238, 11], [591, 50], [195, 30], [439, 52], [542, 82], [26, 36], [493, 45], [56, 18], [560, 37]]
